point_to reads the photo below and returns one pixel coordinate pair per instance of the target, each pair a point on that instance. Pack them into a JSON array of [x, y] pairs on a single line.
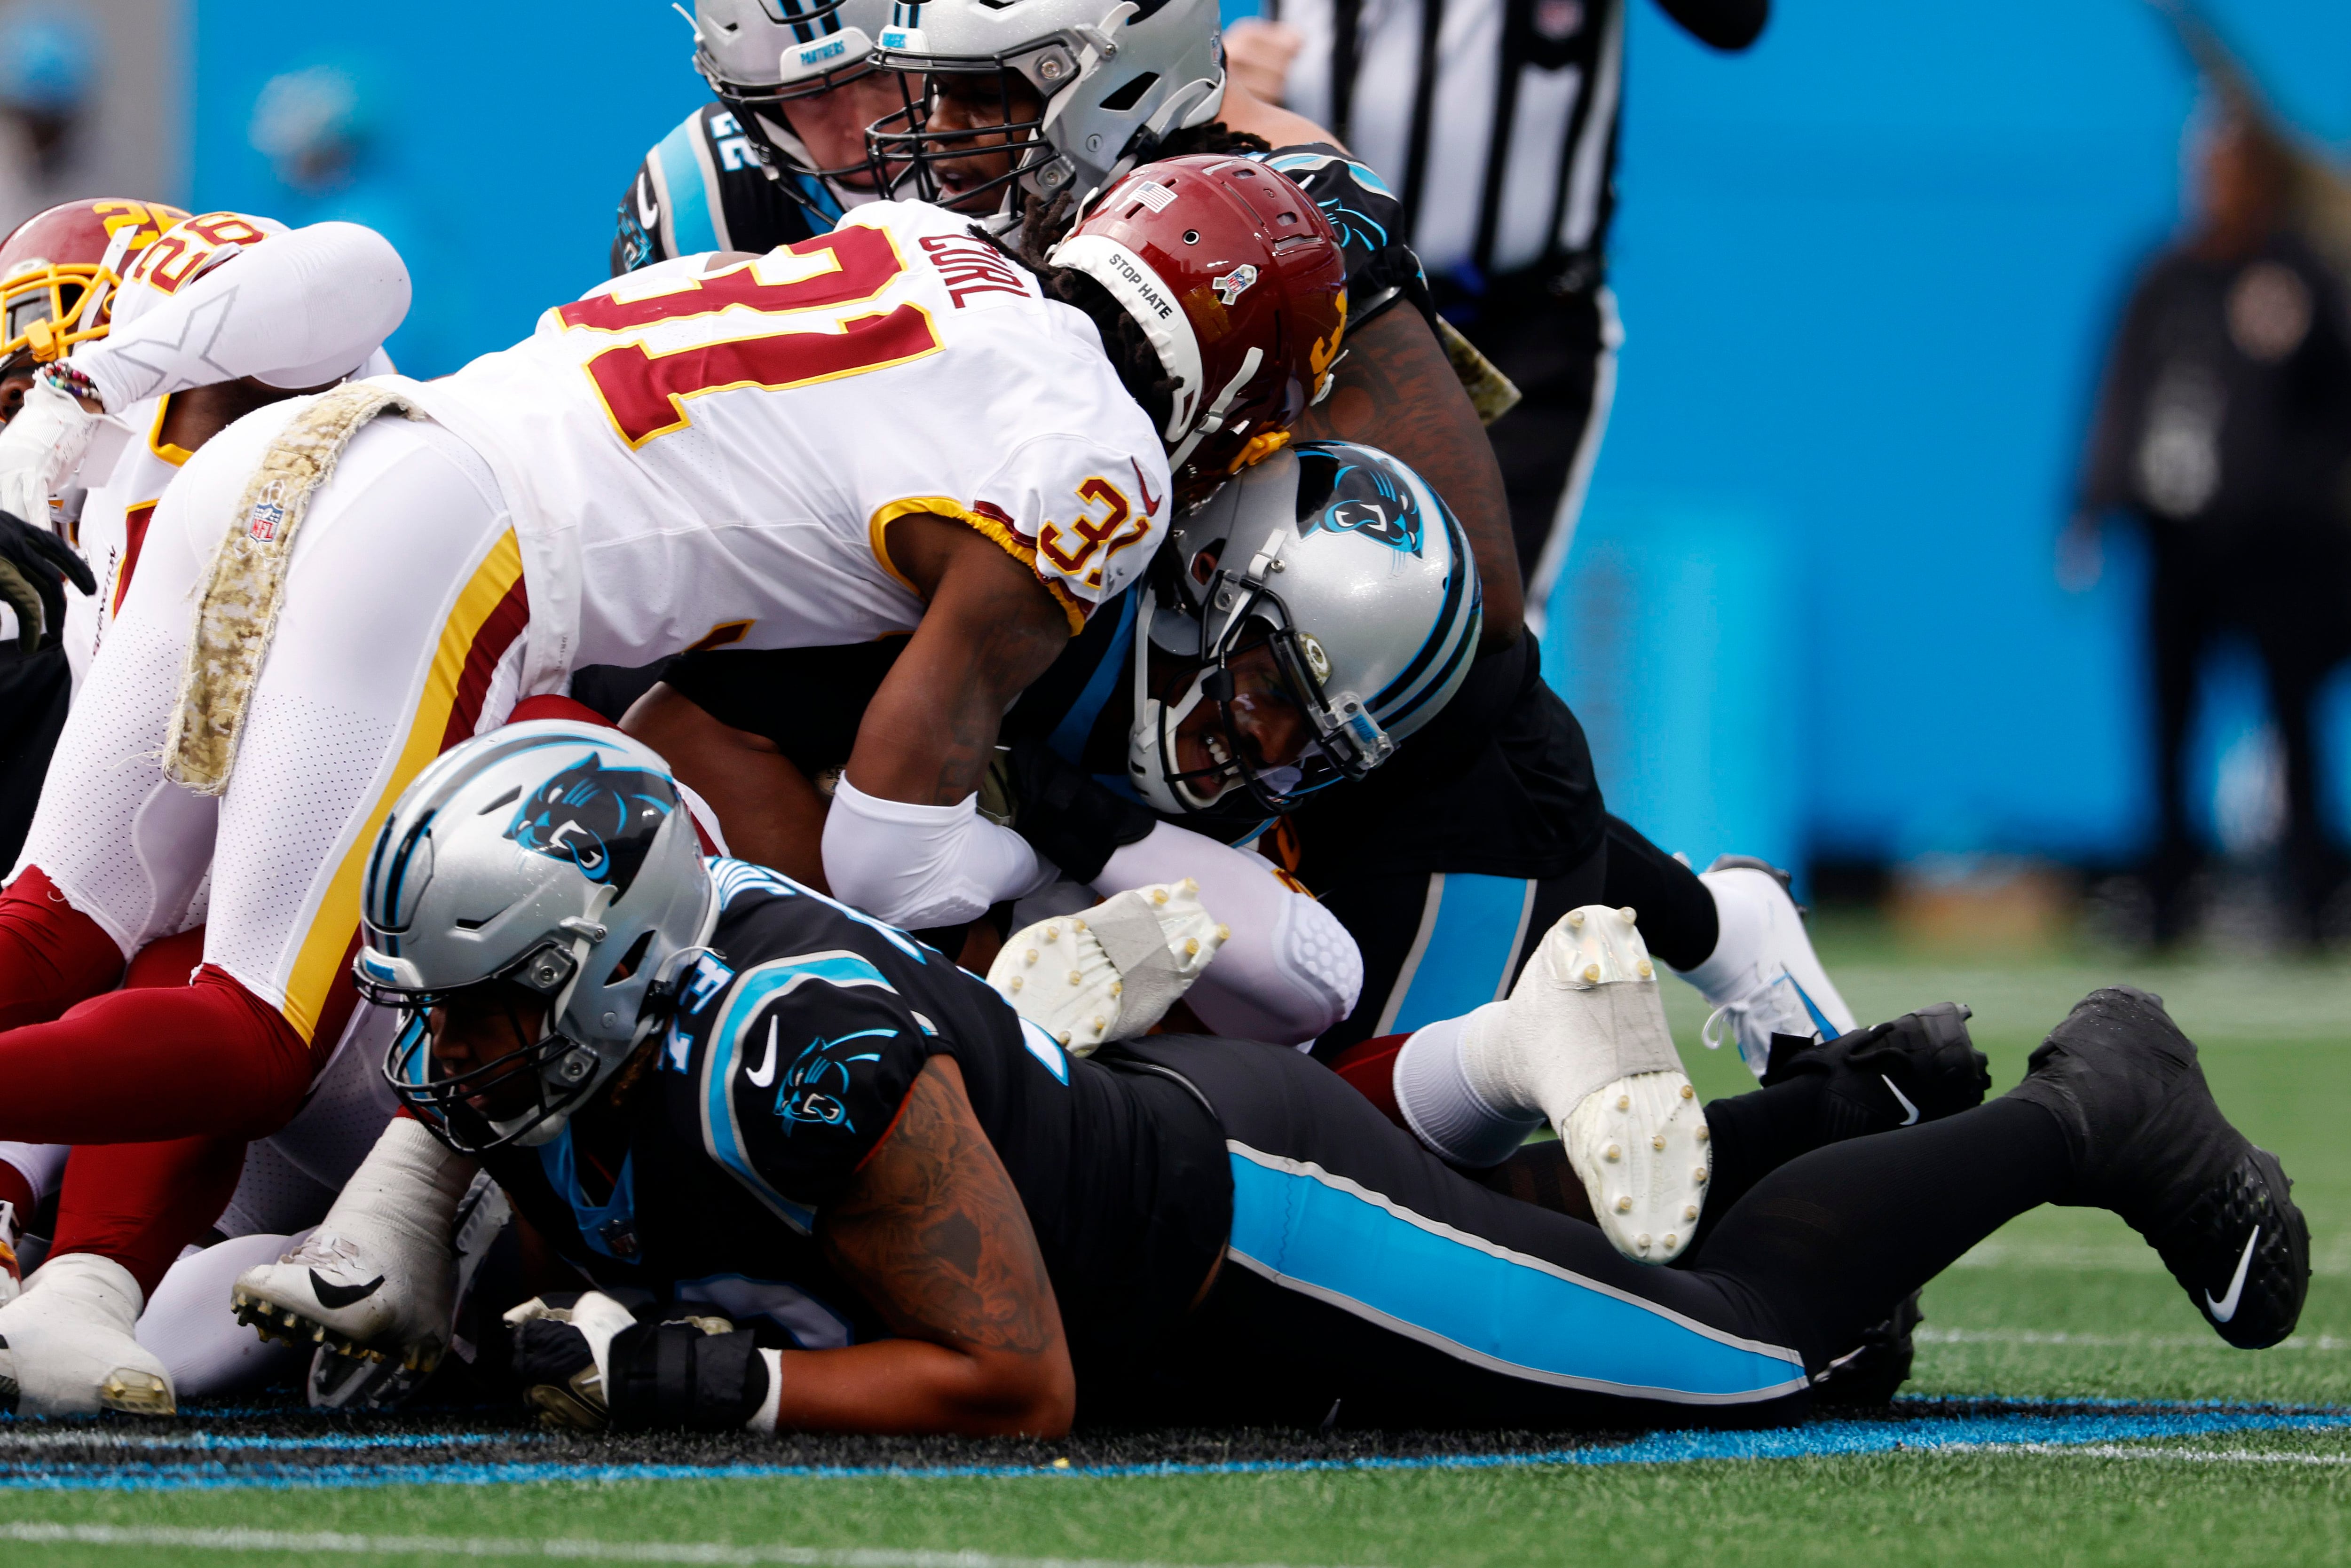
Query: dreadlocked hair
[[1140, 370], [1207, 141]]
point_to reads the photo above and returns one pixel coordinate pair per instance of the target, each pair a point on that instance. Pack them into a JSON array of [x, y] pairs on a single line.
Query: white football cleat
[[1584, 1039], [1763, 977], [67, 1345], [1109, 972], [378, 1279]]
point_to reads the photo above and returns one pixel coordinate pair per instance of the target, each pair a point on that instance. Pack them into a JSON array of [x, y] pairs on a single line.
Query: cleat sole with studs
[[1640, 1146], [136, 1393]]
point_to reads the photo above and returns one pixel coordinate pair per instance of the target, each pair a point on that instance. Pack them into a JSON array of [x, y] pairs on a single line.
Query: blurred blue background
[[1866, 273]]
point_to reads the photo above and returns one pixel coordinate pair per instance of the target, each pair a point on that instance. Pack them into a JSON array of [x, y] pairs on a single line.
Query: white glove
[[1110, 972], [564, 1373], [41, 447]]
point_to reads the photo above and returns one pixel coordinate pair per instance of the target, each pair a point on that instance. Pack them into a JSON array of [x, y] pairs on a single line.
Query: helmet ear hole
[[1130, 93], [631, 959]]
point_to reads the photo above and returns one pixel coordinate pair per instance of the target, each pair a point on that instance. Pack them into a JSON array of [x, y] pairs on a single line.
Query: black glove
[[34, 565], [1067, 816], [1921, 1067]]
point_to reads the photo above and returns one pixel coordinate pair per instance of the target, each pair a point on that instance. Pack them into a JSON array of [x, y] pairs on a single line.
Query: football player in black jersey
[[781, 151], [854, 1191]]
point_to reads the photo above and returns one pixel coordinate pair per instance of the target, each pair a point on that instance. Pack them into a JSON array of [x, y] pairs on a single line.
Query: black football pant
[[1364, 1281]]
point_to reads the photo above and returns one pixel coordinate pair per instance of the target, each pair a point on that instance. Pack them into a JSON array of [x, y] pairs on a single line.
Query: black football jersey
[[703, 187], [795, 1040]]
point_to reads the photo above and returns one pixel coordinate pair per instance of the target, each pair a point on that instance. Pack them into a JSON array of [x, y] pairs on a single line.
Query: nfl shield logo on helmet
[[1229, 287], [268, 512]]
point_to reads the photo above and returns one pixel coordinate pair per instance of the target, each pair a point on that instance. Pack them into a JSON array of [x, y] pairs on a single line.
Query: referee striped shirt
[[1494, 120]]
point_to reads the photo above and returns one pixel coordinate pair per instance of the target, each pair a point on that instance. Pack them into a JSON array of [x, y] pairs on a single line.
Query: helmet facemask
[[1276, 732], [1080, 89], [1008, 159], [561, 1071]]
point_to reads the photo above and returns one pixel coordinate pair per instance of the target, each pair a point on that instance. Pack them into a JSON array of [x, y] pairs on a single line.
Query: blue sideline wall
[[1867, 271], [500, 139]]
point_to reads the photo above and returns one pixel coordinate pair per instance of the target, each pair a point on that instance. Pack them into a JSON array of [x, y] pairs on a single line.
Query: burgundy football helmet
[[58, 269], [1238, 281]]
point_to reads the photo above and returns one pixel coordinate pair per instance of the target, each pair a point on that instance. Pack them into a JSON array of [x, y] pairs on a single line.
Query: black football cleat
[[2150, 1144], [1921, 1067], [1868, 1377]]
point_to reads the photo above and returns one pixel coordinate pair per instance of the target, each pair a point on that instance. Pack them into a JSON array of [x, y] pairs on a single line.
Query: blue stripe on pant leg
[[1466, 962], [1325, 1236]]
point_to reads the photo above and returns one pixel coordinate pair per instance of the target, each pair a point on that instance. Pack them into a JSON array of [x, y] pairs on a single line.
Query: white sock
[[1444, 1109], [1740, 924], [408, 1188]]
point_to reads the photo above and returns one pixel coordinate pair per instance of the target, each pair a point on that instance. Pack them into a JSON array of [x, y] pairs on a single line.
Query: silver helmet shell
[[755, 50], [1357, 579], [1115, 75], [551, 855], [759, 55]]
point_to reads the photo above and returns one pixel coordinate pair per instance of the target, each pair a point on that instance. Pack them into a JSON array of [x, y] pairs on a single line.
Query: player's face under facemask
[[1258, 724], [831, 125], [13, 388], [486, 1037], [965, 133]]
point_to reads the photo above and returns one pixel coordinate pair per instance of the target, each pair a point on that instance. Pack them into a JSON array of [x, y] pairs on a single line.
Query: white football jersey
[[718, 454]]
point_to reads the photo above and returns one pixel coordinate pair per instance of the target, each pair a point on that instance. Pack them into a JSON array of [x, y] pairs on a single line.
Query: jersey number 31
[[645, 393]]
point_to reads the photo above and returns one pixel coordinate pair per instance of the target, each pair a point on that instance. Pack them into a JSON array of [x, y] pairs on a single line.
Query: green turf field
[[2063, 1305]]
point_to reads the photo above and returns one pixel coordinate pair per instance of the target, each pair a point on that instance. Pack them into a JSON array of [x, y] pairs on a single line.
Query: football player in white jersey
[[891, 428], [136, 333]]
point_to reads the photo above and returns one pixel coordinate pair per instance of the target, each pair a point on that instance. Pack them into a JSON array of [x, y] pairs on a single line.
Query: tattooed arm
[[1397, 390], [934, 1235], [991, 628]]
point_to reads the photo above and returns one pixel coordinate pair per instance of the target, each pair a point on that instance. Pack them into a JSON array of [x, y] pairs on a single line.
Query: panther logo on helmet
[[603, 820], [1367, 501]]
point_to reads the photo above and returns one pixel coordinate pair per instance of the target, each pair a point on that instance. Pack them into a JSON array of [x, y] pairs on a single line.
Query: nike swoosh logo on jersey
[[1912, 1118], [1150, 502], [335, 1298], [2226, 1307], [764, 1074]]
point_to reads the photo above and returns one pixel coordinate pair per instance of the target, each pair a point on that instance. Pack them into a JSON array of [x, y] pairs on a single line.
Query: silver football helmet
[[550, 856], [1328, 595], [759, 55], [1113, 78]]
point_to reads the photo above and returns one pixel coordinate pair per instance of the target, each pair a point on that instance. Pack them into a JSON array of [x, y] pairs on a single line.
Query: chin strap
[[1214, 420]]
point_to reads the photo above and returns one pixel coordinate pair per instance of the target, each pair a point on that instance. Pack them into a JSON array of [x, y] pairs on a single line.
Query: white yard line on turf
[[1927, 1335], [2177, 1456], [569, 1548]]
